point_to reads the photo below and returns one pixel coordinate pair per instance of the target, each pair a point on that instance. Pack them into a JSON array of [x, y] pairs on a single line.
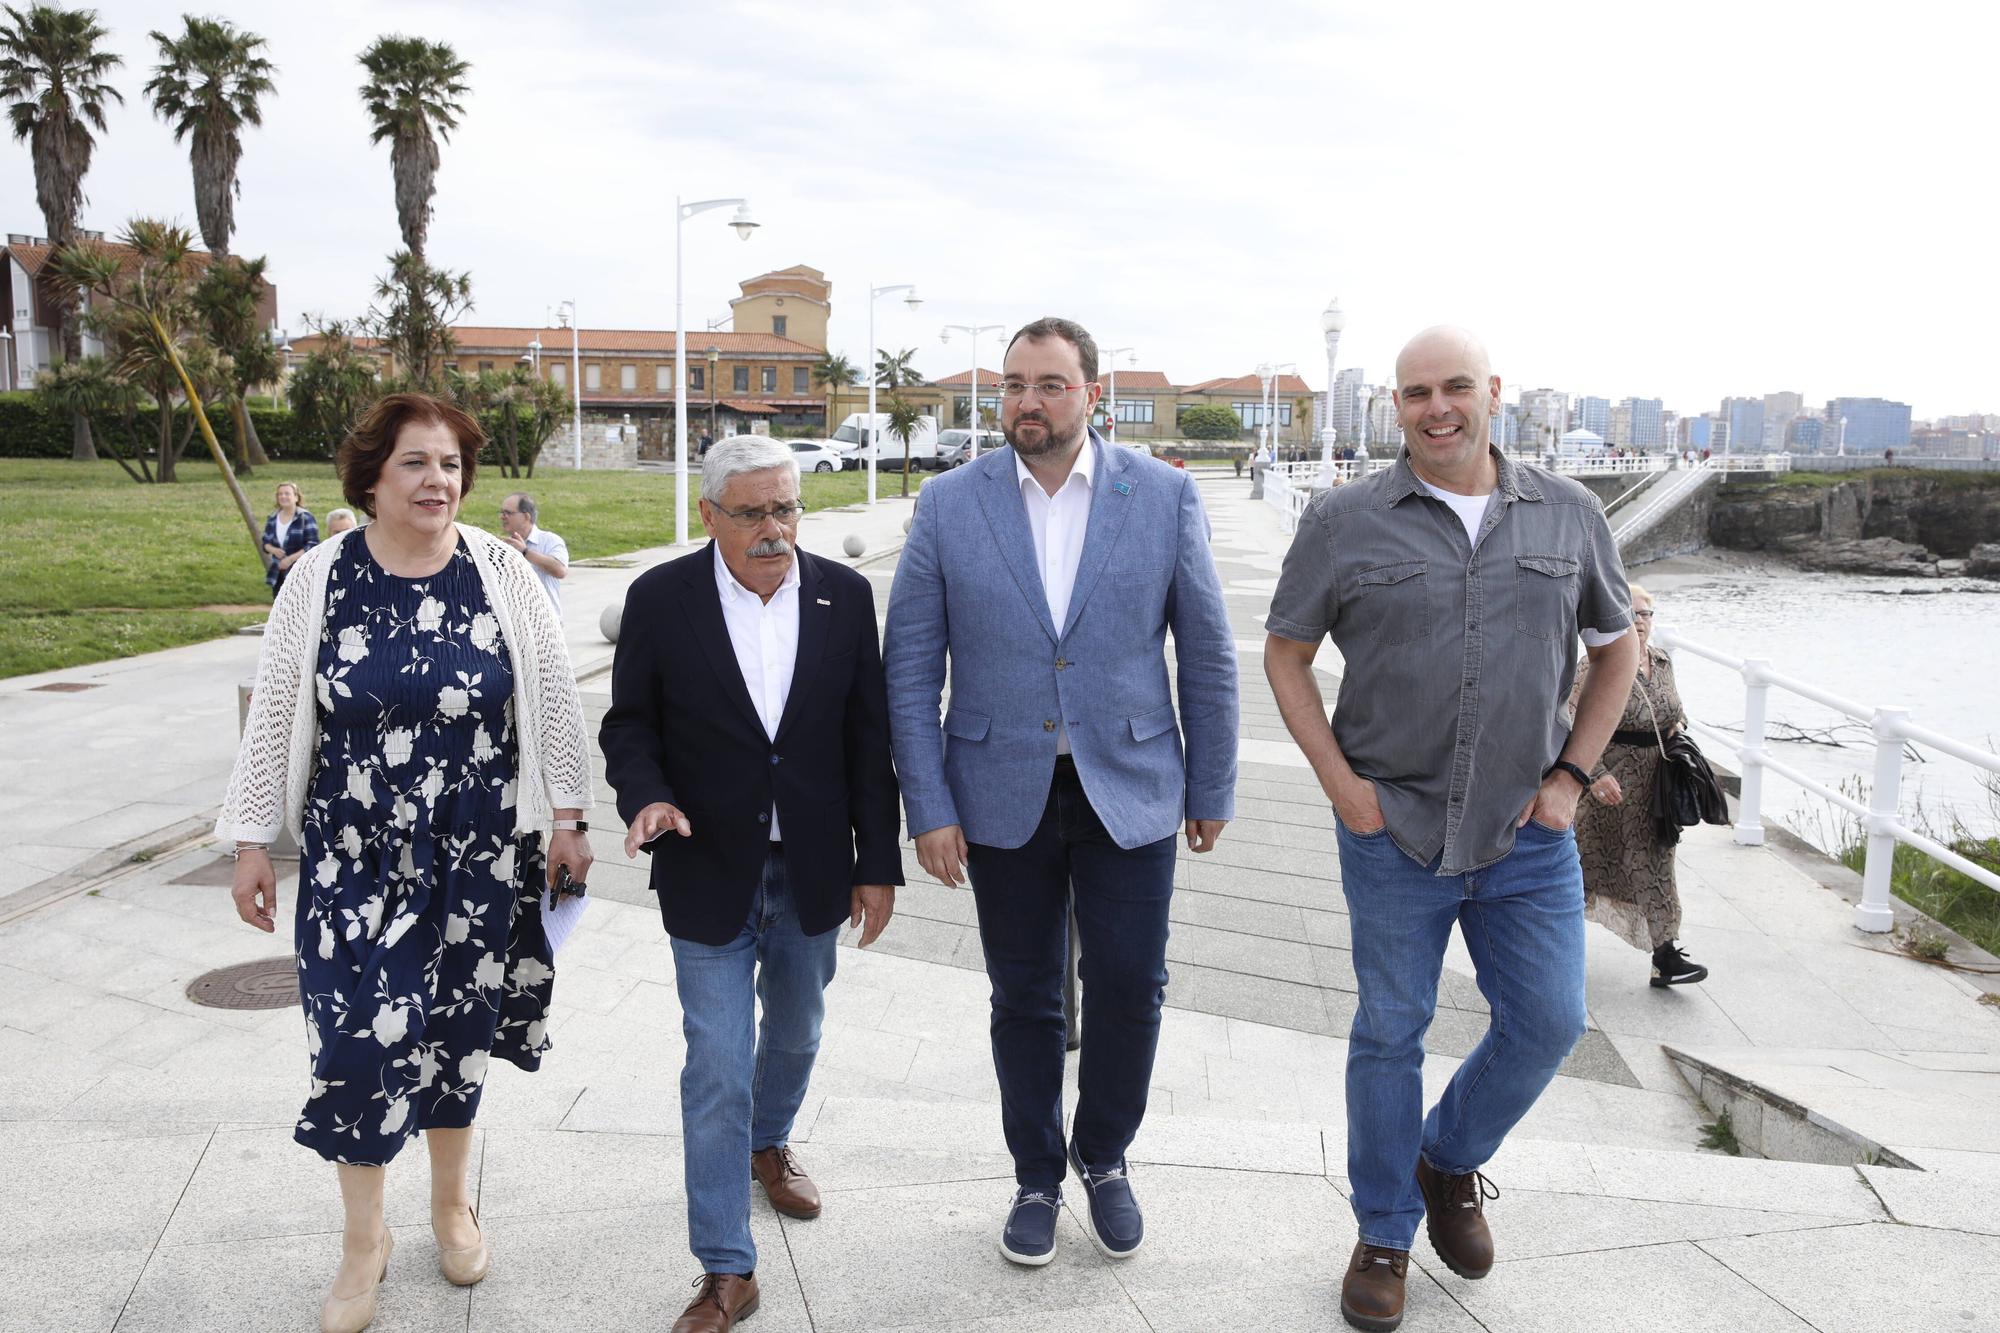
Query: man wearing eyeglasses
[[547, 552], [748, 742], [1045, 577]]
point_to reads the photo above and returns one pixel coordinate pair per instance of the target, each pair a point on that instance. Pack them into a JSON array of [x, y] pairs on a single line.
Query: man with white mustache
[[1456, 584], [748, 741]]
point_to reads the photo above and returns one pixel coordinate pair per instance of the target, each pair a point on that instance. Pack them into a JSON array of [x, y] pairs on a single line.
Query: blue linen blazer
[[968, 589]]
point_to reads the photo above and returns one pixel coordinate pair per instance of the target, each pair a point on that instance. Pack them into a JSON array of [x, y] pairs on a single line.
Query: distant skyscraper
[[1743, 421], [1544, 418], [1872, 424], [1698, 433], [1779, 409], [1385, 433], [1348, 404], [1635, 423], [1594, 415], [1805, 435]]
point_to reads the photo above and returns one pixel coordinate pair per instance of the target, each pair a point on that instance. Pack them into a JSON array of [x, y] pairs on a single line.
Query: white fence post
[[1750, 801], [1874, 914]]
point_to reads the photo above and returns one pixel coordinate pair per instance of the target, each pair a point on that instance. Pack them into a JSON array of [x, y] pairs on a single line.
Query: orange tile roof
[[1138, 379], [1249, 384], [654, 341], [965, 377]]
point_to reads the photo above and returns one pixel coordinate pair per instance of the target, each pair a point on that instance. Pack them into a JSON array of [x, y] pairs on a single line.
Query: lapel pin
[[1122, 487], [822, 601]]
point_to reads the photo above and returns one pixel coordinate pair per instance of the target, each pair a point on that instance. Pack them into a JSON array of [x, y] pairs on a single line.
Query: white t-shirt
[[543, 542], [1471, 511]]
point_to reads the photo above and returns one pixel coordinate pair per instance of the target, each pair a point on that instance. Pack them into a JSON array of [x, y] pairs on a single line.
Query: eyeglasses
[[1045, 388], [509, 513], [754, 518], [1643, 615]]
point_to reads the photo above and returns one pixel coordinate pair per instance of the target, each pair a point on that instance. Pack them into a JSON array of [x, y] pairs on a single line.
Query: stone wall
[[1685, 529], [608, 444]]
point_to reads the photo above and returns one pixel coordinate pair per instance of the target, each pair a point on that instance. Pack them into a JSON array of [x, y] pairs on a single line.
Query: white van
[[860, 436]]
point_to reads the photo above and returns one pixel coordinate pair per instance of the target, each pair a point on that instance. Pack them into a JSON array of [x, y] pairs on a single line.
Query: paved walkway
[[149, 1165]]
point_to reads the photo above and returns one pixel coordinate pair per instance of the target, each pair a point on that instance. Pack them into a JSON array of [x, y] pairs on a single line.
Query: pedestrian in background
[[289, 533], [416, 725], [547, 552], [1628, 871]]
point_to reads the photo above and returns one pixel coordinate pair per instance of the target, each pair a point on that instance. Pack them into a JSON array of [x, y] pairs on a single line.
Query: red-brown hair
[[368, 446]]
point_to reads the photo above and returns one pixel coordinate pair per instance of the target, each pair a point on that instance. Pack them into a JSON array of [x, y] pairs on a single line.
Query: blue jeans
[[1023, 897], [743, 1081], [1522, 918]]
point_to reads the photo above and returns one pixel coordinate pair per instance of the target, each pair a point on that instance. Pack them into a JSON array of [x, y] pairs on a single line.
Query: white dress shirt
[[543, 542], [765, 636], [1057, 522]]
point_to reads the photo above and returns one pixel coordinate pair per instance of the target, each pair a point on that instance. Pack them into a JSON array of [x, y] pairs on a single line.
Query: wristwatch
[[1565, 766], [570, 826]]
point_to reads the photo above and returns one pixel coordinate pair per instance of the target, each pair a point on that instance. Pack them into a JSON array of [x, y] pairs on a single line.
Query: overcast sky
[[1683, 201]]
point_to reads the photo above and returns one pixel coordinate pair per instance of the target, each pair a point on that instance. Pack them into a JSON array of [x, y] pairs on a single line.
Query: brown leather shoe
[[1455, 1216], [1371, 1295], [723, 1299], [777, 1170]]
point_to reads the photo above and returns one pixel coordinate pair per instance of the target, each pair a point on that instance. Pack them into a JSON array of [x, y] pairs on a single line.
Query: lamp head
[[1332, 319], [913, 300], [714, 354], [944, 335], [743, 222]]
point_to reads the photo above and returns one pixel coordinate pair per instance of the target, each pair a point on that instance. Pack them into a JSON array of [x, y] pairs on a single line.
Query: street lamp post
[[1331, 321], [870, 433], [944, 336], [1271, 374], [1111, 360], [7, 336], [714, 365], [566, 312], [744, 224], [535, 355]]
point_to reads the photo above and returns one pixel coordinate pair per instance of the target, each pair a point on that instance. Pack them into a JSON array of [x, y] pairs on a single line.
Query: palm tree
[[834, 372], [904, 417], [896, 372], [206, 87], [53, 74], [412, 97], [227, 297]]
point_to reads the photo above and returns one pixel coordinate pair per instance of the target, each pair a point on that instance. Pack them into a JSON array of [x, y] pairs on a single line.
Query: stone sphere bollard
[[609, 620], [854, 546]]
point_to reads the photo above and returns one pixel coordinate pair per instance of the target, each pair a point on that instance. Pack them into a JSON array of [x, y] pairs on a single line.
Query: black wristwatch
[[1565, 766]]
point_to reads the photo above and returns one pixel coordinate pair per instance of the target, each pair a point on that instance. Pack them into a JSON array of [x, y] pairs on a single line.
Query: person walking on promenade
[[416, 725], [1628, 870], [1048, 575], [1455, 583], [289, 532], [748, 743], [547, 552]]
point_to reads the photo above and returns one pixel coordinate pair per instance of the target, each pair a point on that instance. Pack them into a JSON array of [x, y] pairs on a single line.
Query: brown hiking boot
[[785, 1185], [1371, 1295], [1455, 1217], [723, 1299]]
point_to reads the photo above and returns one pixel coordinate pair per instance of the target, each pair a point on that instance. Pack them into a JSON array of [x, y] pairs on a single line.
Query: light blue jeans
[[743, 1080], [1522, 918]]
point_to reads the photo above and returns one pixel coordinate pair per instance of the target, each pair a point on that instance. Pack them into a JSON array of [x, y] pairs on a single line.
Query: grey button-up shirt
[[1459, 655]]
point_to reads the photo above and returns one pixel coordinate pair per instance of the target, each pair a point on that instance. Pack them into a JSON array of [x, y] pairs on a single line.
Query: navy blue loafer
[[1115, 1221], [1030, 1234]]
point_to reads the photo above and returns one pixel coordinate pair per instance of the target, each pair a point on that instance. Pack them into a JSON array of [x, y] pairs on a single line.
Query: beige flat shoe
[[463, 1268], [351, 1314]]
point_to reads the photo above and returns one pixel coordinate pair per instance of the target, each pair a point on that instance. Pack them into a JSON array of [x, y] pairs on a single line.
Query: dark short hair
[[368, 446], [1071, 332], [524, 502]]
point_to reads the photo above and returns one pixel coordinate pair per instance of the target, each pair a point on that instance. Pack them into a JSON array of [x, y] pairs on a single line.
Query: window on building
[[486, 365], [778, 325], [1137, 411], [739, 379], [769, 379], [697, 377], [1284, 414], [801, 379], [1250, 414], [559, 374], [663, 377], [628, 378], [593, 376]]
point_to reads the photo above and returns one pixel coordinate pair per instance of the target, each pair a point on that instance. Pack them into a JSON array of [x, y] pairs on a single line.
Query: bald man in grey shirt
[[1456, 584]]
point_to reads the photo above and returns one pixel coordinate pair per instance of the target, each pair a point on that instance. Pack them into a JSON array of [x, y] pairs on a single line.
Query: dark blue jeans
[[1023, 897], [1522, 918]]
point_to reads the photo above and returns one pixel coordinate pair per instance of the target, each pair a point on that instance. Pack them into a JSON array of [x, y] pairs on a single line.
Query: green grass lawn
[[94, 565]]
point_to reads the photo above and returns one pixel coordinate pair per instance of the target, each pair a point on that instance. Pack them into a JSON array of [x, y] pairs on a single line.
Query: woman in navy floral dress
[[415, 721]]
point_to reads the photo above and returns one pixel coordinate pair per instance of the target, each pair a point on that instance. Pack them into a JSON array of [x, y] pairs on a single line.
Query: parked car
[[817, 455], [858, 438], [954, 446]]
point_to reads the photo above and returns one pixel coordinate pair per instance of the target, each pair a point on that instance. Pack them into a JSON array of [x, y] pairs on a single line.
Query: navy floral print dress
[[420, 942]]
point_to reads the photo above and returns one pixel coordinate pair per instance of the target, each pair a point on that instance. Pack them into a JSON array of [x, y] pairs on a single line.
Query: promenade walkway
[[152, 1181]]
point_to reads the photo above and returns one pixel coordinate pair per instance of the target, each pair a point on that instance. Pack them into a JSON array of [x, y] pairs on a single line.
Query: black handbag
[[1685, 790]]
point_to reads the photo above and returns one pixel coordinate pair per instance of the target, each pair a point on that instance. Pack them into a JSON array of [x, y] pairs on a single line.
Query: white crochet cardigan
[[267, 788]]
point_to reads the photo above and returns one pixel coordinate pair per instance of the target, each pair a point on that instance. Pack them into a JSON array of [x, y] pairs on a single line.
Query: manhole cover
[[67, 687], [268, 983]]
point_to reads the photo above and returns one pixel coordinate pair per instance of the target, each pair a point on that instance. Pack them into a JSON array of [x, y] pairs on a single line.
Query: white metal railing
[[1670, 497], [1750, 463], [1892, 729], [1607, 466]]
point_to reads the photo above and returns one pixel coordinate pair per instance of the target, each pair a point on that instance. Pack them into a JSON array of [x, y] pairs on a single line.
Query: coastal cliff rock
[[1984, 562], [1881, 557], [1945, 513]]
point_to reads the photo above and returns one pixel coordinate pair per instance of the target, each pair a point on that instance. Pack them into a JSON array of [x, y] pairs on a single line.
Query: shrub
[[1211, 421], [27, 431]]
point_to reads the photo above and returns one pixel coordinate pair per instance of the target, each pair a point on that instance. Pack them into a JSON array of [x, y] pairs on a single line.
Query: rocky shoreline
[[1888, 525]]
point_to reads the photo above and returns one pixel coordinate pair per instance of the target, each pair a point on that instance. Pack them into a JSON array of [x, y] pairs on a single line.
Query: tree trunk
[[83, 446], [240, 418], [246, 431], [165, 431], [215, 450]]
